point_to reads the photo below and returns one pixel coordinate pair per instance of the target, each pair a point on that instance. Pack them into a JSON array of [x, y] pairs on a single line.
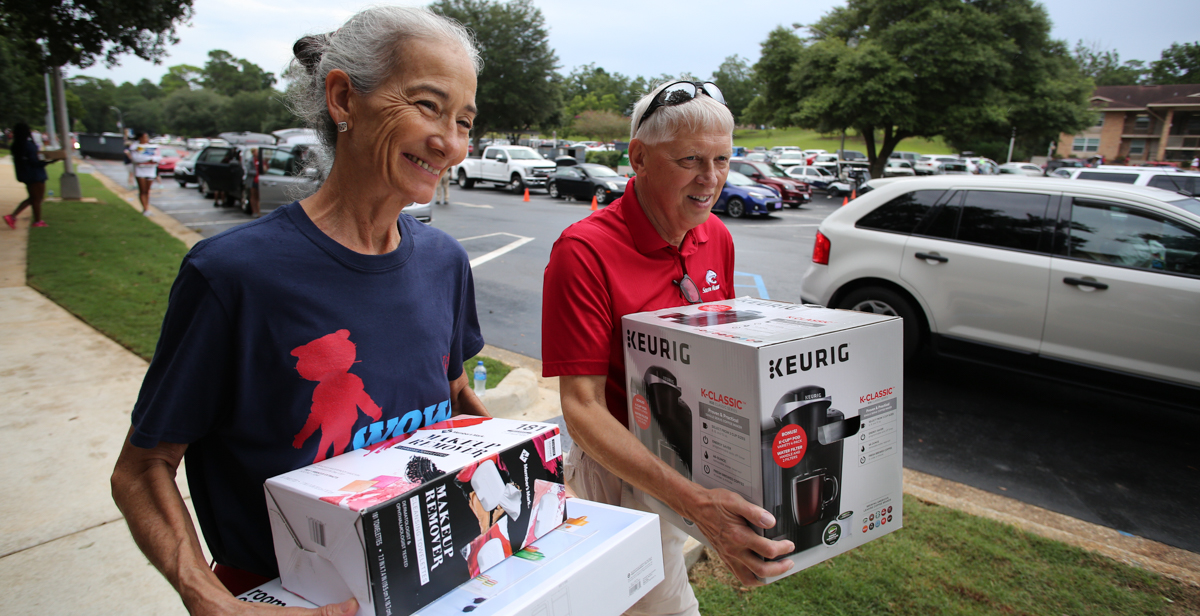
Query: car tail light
[[821, 249]]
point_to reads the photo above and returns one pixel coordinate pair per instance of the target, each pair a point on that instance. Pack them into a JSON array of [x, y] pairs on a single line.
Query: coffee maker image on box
[[670, 435], [802, 465]]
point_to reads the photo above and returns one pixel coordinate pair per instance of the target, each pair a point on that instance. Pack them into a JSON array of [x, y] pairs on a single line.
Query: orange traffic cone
[[845, 200], [594, 208], [526, 195], [854, 194]]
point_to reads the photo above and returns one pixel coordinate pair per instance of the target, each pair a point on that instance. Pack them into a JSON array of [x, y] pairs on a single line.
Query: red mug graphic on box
[[338, 395]]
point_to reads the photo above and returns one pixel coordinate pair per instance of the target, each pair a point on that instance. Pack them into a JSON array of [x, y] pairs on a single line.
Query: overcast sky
[[635, 37]]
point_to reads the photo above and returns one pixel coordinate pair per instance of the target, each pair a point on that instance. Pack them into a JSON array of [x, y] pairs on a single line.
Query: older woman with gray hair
[[311, 331], [658, 246]]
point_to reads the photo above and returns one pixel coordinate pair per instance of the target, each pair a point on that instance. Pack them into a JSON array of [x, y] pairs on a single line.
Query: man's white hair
[[697, 115]]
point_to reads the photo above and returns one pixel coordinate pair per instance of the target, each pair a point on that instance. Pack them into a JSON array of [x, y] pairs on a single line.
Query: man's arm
[[721, 515], [143, 486], [463, 400]]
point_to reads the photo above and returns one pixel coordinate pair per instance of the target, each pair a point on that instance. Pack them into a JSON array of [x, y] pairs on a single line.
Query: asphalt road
[[1102, 457]]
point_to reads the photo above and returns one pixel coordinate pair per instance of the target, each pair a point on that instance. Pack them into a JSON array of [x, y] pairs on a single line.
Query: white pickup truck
[[515, 166]]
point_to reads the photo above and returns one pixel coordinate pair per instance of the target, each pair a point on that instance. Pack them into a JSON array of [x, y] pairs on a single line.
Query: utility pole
[[69, 184], [1011, 141], [121, 123], [50, 115]]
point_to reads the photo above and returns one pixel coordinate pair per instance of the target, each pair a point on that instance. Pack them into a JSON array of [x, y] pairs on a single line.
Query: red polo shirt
[[614, 263]]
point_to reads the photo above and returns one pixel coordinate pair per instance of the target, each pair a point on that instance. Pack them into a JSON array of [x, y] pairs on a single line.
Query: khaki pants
[[595, 483], [443, 189]]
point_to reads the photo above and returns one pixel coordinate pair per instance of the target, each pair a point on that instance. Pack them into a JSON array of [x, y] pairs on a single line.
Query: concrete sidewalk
[[65, 395]]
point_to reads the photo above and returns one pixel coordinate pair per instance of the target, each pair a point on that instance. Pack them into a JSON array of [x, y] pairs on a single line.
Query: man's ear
[[637, 155]]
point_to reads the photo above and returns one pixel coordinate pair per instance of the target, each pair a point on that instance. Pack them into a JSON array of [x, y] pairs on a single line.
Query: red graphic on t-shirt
[[338, 395]]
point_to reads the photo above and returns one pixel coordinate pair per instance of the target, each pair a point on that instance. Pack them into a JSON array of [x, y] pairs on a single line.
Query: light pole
[[120, 121], [69, 183]]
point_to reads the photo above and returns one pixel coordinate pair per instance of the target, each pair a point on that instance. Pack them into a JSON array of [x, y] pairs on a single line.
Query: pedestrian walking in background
[[256, 168], [1195, 163], [443, 188], [129, 164], [31, 171], [145, 161]]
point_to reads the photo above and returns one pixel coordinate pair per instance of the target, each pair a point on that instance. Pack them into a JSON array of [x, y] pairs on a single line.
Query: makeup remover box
[[402, 522], [798, 409], [598, 563]]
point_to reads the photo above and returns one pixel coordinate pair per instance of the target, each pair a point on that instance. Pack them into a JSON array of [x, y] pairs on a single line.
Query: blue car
[[742, 196]]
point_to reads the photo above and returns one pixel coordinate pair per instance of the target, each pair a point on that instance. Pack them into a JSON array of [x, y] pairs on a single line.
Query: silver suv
[[1094, 273]]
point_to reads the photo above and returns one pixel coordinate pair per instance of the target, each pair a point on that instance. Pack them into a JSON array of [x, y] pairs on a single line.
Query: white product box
[[400, 523], [598, 563], [798, 409]]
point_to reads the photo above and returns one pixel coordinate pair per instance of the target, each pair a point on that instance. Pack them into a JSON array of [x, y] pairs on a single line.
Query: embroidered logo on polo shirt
[[710, 279]]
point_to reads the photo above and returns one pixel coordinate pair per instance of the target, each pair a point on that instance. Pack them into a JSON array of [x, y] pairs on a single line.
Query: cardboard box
[[598, 563], [798, 409], [402, 522]]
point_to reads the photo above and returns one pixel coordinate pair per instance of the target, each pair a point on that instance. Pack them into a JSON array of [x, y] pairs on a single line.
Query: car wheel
[[246, 199], [463, 181], [884, 301], [736, 208], [601, 196], [515, 184], [552, 189], [832, 191], [182, 182]]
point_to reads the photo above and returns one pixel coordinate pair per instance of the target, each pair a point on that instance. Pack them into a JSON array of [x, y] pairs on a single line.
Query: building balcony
[[1183, 142]]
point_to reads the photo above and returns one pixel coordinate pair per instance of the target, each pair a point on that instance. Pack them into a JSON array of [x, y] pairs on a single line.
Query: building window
[[1100, 120], [1137, 147], [1085, 144], [1141, 122]]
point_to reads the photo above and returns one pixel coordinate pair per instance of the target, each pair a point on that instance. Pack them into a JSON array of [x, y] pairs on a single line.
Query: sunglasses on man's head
[[681, 92]]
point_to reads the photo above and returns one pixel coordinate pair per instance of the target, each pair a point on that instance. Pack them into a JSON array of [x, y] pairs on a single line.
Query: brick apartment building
[[1140, 124]]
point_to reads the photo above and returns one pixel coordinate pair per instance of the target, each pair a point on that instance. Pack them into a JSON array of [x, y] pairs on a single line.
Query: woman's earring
[[342, 127]]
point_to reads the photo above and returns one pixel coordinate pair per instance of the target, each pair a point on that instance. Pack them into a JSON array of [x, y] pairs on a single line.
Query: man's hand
[[722, 516]]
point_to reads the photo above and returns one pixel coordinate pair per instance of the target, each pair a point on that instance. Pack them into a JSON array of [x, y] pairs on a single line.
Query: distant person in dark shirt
[[31, 171]]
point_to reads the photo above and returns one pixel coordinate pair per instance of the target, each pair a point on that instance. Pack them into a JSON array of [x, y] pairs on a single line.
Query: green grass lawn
[[496, 370], [811, 140], [112, 267], [947, 562]]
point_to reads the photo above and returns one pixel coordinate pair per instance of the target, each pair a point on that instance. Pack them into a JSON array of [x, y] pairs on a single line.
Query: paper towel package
[[598, 563], [798, 409], [402, 522]]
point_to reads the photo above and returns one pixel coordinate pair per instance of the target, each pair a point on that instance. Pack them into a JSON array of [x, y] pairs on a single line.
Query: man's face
[[678, 181]]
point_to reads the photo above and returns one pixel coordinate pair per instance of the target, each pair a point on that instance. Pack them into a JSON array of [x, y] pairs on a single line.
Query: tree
[[612, 91], [225, 74], [601, 125], [60, 32], [22, 89], [776, 100], [737, 83], [98, 96], [517, 90], [1179, 64], [894, 69], [259, 112], [1105, 66], [194, 112], [180, 76]]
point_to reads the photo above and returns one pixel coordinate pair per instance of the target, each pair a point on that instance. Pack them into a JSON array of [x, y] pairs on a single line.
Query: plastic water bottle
[[480, 379]]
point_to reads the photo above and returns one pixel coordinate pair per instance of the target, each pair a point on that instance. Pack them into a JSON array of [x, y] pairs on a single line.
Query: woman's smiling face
[[416, 124]]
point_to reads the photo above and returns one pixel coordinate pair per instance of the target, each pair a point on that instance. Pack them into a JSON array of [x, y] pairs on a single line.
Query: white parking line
[[480, 260], [484, 206]]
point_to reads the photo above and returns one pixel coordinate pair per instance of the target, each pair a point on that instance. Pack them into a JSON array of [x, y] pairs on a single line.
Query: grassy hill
[[808, 139]]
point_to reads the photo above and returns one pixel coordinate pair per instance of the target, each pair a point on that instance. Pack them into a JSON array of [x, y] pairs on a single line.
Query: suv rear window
[[1175, 183], [995, 218], [1123, 178], [902, 214]]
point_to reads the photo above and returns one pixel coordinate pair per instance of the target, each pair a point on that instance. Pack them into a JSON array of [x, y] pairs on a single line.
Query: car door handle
[[930, 257], [1084, 282]]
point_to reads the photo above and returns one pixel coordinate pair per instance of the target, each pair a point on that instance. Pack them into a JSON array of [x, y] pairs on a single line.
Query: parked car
[[168, 159], [421, 211], [1061, 163], [776, 151], [790, 158], [816, 177], [514, 166], [1094, 273], [1166, 178], [956, 167], [286, 176], [909, 156], [585, 181], [185, 169], [898, 167], [853, 155], [758, 157], [928, 164], [742, 196], [791, 191], [1028, 169]]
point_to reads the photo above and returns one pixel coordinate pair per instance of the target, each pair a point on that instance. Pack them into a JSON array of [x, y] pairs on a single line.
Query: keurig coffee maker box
[[402, 522], [796, 408]]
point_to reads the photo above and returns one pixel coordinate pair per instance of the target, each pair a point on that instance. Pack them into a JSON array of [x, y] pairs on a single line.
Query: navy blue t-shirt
[[281, 347]]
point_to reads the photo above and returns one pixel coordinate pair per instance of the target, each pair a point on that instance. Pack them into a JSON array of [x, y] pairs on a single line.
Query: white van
[[1183, 182]]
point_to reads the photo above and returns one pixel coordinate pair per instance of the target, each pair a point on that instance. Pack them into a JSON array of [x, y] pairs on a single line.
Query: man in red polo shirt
[[656, 247]]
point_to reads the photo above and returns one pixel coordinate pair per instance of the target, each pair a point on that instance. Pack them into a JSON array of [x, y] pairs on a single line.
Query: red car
[[791, 191], [170, 156]]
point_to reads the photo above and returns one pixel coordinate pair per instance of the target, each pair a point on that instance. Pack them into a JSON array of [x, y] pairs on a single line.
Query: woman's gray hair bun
[[368, 48]]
